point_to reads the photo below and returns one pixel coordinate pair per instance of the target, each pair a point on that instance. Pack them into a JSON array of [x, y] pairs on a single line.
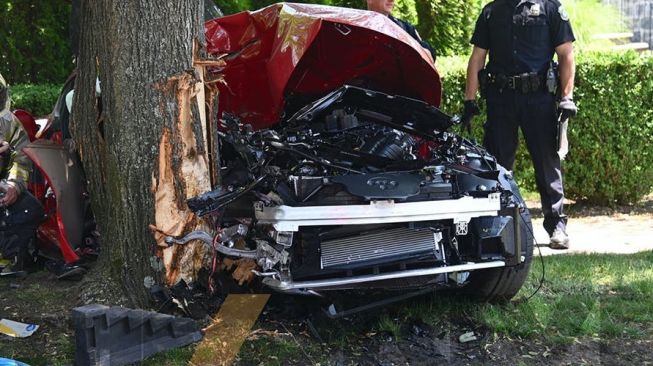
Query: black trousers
[[18, 224], [535, 114]]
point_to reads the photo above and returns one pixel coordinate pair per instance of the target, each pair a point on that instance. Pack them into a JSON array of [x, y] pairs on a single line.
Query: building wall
[[639, 13]]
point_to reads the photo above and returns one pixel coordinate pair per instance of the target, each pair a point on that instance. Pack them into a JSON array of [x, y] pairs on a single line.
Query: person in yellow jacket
[[20, 212]]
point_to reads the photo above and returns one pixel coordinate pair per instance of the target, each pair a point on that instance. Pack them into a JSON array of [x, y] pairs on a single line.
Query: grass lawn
[[604, 296], [584, 297]]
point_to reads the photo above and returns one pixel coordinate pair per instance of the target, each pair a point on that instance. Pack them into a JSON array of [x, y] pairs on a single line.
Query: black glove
[[566, 109], [470, 110]]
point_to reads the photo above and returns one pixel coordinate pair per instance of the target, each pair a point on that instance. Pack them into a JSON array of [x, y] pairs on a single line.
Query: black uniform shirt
[[521, 35], [410, 29]]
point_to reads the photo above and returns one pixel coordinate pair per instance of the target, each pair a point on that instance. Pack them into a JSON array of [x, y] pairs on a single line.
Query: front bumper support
[[351, 282], [287, 218]]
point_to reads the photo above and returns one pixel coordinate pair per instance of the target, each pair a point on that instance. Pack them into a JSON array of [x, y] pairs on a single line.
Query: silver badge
[[563, 13], [534, 11]]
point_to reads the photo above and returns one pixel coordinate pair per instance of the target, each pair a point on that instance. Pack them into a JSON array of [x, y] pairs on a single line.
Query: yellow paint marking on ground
[[230, 327]]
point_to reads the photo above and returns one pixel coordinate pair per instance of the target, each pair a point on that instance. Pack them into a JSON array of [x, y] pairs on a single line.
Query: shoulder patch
[[563, 13], [487, 10]]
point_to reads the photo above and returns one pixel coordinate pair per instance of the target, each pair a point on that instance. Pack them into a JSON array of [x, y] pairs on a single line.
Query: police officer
[[521, 37], [385, 7]]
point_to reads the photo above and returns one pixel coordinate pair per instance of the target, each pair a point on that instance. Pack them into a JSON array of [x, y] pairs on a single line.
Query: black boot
[[13, 252]]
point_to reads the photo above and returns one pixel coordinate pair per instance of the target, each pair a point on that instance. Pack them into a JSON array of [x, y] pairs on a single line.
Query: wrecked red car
[[338, 170]]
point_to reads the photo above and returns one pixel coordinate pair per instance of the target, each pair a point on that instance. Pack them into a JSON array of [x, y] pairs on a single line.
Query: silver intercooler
[[380, 247]]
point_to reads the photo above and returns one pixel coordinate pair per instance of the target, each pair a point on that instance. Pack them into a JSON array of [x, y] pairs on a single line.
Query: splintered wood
[[183, 173], [230, 327], [241, 269]]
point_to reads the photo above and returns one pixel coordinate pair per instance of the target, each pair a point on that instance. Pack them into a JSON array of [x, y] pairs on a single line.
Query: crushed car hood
[[302, 52]]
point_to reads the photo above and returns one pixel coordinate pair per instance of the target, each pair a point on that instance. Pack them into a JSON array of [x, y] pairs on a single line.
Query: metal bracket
[[462, 228], [459, 277], [518, 258], [343, 29]]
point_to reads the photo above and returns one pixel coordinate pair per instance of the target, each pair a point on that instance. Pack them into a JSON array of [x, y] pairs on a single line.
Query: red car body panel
[[52, 235], [61, 232], [28, 122], [288, 50]]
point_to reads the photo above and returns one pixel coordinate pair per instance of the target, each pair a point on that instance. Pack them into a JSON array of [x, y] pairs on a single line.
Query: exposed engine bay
[[361, 189]]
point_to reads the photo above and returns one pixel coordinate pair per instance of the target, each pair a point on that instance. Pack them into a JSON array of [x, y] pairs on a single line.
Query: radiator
[[381, 247]]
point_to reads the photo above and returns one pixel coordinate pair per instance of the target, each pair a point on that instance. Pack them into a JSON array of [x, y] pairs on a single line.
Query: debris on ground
[[66, 271], [467, 337], [230, 328], [8, 362], [125, 335], [17, 329]]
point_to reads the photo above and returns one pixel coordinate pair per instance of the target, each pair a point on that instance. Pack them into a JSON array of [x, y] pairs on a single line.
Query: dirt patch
[[39, 299], [583, 351]]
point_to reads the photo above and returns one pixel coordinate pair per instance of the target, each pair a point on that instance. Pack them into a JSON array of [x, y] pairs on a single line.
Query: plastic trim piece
[[116, 336]]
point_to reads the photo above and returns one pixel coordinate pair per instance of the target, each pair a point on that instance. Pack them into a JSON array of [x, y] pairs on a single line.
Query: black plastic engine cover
[[381, 186]]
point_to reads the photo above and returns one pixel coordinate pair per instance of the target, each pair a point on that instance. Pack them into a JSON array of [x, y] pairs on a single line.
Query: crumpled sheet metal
[[64, 173], [300, 49]]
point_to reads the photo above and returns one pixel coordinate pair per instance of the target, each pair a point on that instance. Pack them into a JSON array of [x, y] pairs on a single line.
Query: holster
[[483, 82]]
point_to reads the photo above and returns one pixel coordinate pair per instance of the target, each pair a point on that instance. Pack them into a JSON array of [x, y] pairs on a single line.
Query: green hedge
[[447, 25], [611, 139], [36, 99]]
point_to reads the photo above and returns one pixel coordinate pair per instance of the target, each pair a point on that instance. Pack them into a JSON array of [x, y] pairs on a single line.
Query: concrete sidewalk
[[618, 234]]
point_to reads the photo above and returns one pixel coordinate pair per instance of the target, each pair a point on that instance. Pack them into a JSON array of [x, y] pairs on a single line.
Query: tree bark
[[144, 148]]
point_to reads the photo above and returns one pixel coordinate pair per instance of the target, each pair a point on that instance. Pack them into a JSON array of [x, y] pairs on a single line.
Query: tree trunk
[[144, 147]]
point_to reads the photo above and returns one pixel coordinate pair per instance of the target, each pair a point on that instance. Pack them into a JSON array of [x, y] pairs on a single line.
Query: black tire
[[502, 284]]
